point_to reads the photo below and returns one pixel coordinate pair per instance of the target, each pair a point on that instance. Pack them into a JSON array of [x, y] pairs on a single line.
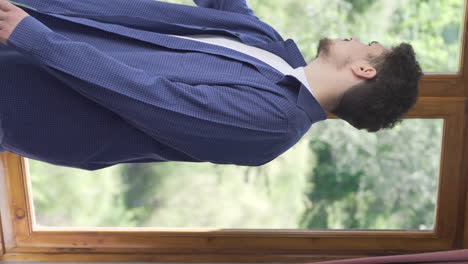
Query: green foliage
[[330, 183], [397, 168], [72, 197]]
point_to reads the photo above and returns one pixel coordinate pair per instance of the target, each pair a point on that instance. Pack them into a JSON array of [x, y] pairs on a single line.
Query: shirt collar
[[304, 100], [310, 105]]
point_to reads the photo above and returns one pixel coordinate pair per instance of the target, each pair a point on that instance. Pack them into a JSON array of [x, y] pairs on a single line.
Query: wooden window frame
[[441, 96]]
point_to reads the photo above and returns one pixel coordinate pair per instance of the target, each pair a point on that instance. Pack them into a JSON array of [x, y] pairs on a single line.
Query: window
[[336, 177], [339, 193]]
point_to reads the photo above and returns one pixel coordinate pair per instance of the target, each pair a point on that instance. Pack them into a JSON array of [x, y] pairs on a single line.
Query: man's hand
[[10, 17]]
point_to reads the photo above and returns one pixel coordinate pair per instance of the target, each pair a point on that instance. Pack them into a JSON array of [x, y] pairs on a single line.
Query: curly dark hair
[[380, 102]]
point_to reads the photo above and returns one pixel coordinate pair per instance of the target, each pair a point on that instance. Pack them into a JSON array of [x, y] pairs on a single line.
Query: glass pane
[[435, 35], [335, 177]]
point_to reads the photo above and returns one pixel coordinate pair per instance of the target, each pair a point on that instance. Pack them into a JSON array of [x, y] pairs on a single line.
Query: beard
[[323, 48], [323, 51]]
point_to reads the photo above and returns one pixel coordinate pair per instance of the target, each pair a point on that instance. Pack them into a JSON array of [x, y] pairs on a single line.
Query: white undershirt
[[263, 55]]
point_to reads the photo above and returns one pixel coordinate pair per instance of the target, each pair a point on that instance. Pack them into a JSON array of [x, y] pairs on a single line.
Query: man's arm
[[209, 122], [236, 6]]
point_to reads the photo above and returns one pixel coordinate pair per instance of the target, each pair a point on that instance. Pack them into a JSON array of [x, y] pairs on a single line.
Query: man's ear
[[363, 69]]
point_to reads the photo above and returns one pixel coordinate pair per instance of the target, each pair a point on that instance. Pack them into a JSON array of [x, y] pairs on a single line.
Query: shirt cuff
[[27, 35]]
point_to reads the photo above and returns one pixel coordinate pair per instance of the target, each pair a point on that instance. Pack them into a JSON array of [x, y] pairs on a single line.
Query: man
[[89, 84]]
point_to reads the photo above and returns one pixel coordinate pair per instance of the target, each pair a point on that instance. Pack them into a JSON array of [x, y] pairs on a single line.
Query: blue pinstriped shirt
[[89, 84]]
